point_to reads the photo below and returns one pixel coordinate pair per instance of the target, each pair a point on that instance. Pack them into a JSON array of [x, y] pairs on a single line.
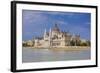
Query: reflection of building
[[55, 38]]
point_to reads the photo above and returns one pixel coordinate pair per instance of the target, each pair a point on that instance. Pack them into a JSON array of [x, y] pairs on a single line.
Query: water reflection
[[41, 55]]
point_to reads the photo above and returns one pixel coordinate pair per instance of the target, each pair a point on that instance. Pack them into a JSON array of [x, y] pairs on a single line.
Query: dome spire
[[55, 27]]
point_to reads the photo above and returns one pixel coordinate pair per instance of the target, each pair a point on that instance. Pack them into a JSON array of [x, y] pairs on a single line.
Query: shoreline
[[68, 48]]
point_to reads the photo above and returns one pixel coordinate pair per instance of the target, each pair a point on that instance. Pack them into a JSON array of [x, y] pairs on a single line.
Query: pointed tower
[[50, 34], [45, 33]]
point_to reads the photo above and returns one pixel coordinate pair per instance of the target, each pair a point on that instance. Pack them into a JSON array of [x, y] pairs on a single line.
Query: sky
[[35, 22]]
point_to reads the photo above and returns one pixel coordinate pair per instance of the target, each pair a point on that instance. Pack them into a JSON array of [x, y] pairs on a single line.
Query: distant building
[[28, 43], [55, 38]]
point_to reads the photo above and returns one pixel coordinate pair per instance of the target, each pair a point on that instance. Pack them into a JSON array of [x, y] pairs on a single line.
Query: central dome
[[55, 28]]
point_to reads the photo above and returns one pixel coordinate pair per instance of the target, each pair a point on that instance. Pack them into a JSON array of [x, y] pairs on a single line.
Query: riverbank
[[68, 48]]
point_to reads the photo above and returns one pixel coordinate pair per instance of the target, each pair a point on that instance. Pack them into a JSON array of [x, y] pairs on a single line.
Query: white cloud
[[34, 17], [62, 22], [61, 13]]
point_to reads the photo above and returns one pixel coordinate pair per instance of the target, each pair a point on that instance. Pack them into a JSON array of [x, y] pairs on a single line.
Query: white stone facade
[[55, 38]]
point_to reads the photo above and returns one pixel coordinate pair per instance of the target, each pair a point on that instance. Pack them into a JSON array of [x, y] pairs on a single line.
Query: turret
[[45, 33], [50, 34]]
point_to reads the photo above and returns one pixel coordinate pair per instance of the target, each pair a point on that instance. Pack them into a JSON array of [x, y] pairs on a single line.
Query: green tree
[[72, 43]]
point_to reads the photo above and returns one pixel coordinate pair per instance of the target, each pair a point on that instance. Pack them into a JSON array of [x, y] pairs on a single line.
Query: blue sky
[[34, 23]]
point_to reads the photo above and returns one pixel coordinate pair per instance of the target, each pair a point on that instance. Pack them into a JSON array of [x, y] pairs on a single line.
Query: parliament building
[[55, 38]]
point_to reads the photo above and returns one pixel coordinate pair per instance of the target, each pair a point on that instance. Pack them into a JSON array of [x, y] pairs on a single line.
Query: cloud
[[33, 17], [34, 22], [41, 17], [87, 23], [62, 22], [80, 30], [60, 13]]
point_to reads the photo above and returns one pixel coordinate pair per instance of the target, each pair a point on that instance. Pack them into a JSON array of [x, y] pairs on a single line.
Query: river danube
[[42, 55]]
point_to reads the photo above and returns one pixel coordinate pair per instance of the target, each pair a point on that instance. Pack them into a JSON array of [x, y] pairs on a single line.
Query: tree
[[78, 42], [88, 43], [84, 44], [72, 43]]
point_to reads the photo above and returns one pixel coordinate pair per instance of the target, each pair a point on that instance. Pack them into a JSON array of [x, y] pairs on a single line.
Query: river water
[[42, 55]]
